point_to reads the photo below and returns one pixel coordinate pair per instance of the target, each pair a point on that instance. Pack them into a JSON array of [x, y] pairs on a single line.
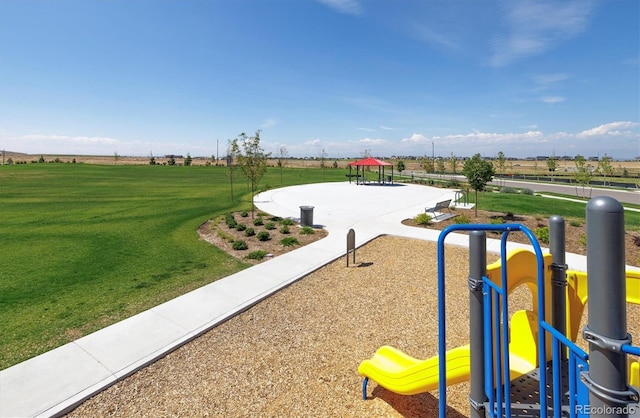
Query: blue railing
[[496, 347]]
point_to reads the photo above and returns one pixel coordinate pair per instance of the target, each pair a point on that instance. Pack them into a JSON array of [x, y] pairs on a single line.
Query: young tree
[[323, 159], [441, 167], [427, 165], [252, 161], [605, 168], [400, 166], [583, 173], [478, 173], [232, 153], [501, 163], [453, 162], [188, 160], [282, 159]]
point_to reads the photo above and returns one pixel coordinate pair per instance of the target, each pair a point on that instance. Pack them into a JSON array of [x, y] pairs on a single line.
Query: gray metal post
[[477, 270], [606, 331], [558, 276]]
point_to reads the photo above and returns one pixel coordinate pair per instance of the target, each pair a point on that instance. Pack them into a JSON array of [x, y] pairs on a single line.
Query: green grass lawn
[[523, 204], [84, 246]]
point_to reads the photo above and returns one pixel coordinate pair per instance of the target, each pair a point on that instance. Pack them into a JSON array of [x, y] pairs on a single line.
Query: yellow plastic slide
[[403, 374], [406, 375]]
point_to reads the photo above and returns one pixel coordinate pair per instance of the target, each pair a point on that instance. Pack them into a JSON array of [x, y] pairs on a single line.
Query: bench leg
[[364, 388]]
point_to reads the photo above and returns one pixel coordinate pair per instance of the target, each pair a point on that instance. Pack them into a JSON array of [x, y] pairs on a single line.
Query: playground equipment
[[534, 346]]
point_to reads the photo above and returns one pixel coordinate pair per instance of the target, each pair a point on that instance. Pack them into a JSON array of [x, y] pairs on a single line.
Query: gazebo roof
[[370, 162]]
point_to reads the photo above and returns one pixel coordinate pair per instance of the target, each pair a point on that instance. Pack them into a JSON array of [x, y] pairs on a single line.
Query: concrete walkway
[[57, 381]]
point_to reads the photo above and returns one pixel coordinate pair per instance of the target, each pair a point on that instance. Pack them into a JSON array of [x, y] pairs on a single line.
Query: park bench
[[436, 211]]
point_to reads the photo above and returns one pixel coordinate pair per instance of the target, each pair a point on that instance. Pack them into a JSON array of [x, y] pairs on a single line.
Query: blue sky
[[394, 77]]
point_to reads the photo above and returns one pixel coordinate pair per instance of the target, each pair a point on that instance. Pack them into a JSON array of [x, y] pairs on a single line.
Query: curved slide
[[403, 374], [406, 375]]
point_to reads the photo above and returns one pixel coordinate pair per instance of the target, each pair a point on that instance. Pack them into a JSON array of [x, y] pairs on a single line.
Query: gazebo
[[371, 162]]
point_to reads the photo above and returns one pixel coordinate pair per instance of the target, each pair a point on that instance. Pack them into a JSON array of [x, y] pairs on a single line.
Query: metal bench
[[438, 208]]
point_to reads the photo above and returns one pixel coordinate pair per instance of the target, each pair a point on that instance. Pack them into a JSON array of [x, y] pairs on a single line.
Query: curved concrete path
[[57, 381]]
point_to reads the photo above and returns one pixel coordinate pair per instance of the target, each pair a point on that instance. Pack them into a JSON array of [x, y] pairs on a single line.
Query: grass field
[[544, 207], [83, 246]]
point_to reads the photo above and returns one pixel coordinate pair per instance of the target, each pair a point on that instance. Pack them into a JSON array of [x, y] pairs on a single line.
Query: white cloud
[[545, 81], [416, 138], [438, 38], [351, 7], [612, 129], [372, 141], [268, 123], [386, 128], [70, 139], [537, 26], [620, 139], [312, 142], [552, 99], [366, 129]]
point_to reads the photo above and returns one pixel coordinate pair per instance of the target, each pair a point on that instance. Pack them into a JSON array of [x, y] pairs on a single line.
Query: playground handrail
[[442, 346]]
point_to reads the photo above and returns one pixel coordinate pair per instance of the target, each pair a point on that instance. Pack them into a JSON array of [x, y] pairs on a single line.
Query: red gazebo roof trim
[[370, 162]]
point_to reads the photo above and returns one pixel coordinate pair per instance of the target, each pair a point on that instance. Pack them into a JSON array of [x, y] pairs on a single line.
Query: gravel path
[[297, 352]]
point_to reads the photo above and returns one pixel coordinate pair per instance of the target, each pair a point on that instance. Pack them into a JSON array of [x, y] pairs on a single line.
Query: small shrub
[[542, 233], [263, 236], [423, 219], [270, 225], [462, 219], [496, 221], [258, 221], [275, 219], [230, 220], [239, 245], [244, 214], [575, 222], [307, 230], [256, 255], [583, 240], [526, 190], [287, 222], [508, 189], [289, 241], [285, 229], [249, 232], [262, 214], [225, 236], [241, 227], [636, 240], [509, 215]]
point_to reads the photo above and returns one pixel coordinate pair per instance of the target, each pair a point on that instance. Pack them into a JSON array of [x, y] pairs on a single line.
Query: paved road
[[622, 196]]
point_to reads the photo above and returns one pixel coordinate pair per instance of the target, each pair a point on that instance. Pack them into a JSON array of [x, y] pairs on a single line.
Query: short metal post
[[351, 245], [606, 331], [477, 271]]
